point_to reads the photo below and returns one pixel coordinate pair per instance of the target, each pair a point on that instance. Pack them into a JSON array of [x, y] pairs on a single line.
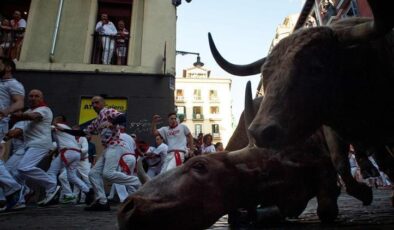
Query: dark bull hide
[[339, 76], [196, 194]]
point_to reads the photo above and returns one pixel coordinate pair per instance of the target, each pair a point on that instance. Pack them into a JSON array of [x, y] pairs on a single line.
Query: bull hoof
[[327, 212], [361, 192]]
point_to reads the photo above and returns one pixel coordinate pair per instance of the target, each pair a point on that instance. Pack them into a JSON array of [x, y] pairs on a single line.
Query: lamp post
[[198, 63]]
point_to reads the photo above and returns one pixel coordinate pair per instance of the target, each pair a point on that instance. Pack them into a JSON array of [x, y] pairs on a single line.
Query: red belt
[[63, 151], [125, 167], [178, 160]]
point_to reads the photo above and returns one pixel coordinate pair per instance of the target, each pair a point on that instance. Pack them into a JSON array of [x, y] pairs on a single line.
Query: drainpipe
[[55, 33]]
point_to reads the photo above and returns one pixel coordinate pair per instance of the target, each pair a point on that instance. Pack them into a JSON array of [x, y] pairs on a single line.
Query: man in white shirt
[[107, 32], [155, 157], [69, 156], [11, 99], [178, 138], [37, 135]]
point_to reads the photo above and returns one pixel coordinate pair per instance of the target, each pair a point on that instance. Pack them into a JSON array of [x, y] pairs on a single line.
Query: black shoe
[[89, 197], [13, 199], [96, 206]]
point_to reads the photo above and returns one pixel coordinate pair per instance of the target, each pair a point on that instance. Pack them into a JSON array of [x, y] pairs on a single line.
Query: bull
[[338, 77], [196, 194]]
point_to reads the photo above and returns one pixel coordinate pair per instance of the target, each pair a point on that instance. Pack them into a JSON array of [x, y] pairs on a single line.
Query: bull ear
[[249, 111], [382, 24], [239, 70]]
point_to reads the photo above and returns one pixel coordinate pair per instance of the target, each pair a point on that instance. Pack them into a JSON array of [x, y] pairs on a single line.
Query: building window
[[197, 113], [181, 113], [111, 38], [197, 94], [213, 95], [13, 18], [197, 129], [215, 130], [214, 109], [179, 95]]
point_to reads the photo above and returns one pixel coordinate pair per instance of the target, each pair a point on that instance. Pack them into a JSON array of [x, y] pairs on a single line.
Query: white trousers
[[170, 162], [7, 182], [27, 168], [83, 169], [108, 49], [106, 168], [72, 158], [154, 171]]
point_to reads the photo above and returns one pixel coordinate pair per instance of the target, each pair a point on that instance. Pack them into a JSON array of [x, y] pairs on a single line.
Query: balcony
[[110, 50], [198, 117], [11, 41], [197, 98], [214, 100], [215, 117], [179, 99], [216, 135]]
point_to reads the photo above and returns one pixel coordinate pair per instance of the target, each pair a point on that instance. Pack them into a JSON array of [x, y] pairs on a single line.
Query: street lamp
[[198, 63], [178, 2]]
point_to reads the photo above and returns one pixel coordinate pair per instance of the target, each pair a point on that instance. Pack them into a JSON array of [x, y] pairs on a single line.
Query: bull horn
[[141, 171], [239, 70], [249, 111], [382, 24]]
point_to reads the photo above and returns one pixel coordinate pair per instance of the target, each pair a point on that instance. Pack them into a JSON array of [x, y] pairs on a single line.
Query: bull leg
[[366, 167], [339, 156], [327, 193]]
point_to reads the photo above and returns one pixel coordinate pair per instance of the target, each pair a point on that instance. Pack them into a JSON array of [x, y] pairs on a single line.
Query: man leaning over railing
[[107, 32]]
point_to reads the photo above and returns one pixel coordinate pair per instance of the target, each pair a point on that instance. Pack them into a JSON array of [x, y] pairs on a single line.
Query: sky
[[242, 30]]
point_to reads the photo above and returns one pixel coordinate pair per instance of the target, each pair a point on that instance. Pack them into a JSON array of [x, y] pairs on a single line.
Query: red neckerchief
[[41, 104], [174, 126]]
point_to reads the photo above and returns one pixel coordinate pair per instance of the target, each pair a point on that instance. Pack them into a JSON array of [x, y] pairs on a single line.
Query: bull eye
[[199, 167]]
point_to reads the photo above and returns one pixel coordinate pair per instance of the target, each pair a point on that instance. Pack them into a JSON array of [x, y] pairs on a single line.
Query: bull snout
[[270, 135]]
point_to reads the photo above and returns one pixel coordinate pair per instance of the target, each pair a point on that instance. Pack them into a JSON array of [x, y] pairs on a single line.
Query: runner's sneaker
[[18, 206], [49, 198], [89, 197], [13, 199], [3, 205], [96, 206], [68, 200]]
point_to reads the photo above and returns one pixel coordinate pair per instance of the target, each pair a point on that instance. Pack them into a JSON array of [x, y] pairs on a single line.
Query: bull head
[[196, 194], [301, 69]]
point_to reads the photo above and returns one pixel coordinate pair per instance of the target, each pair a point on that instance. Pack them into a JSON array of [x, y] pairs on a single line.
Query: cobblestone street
[[352, 215]]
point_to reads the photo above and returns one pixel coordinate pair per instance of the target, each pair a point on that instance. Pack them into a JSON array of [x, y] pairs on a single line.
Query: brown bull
[[339, 76], [196, 194]]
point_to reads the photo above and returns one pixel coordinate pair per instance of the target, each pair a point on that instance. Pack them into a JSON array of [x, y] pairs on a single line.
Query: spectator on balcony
[[18, 25], [107, 32], [121, 43], [5, 38]]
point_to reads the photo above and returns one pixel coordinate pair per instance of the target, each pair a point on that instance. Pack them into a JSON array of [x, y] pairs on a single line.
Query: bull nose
[[268, 135]]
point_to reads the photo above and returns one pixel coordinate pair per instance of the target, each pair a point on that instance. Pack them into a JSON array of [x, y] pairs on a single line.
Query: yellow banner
[[87, 113]]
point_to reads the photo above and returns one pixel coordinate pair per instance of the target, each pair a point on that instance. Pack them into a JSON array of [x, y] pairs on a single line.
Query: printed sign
[[87, 113]]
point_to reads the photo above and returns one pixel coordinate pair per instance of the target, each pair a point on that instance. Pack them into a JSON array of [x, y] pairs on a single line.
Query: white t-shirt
[[83, 145], [208, 149], [38, 134], [17, 143], [128, 142], [161, 153], [65, 140], [175, 137], [8, 88]]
